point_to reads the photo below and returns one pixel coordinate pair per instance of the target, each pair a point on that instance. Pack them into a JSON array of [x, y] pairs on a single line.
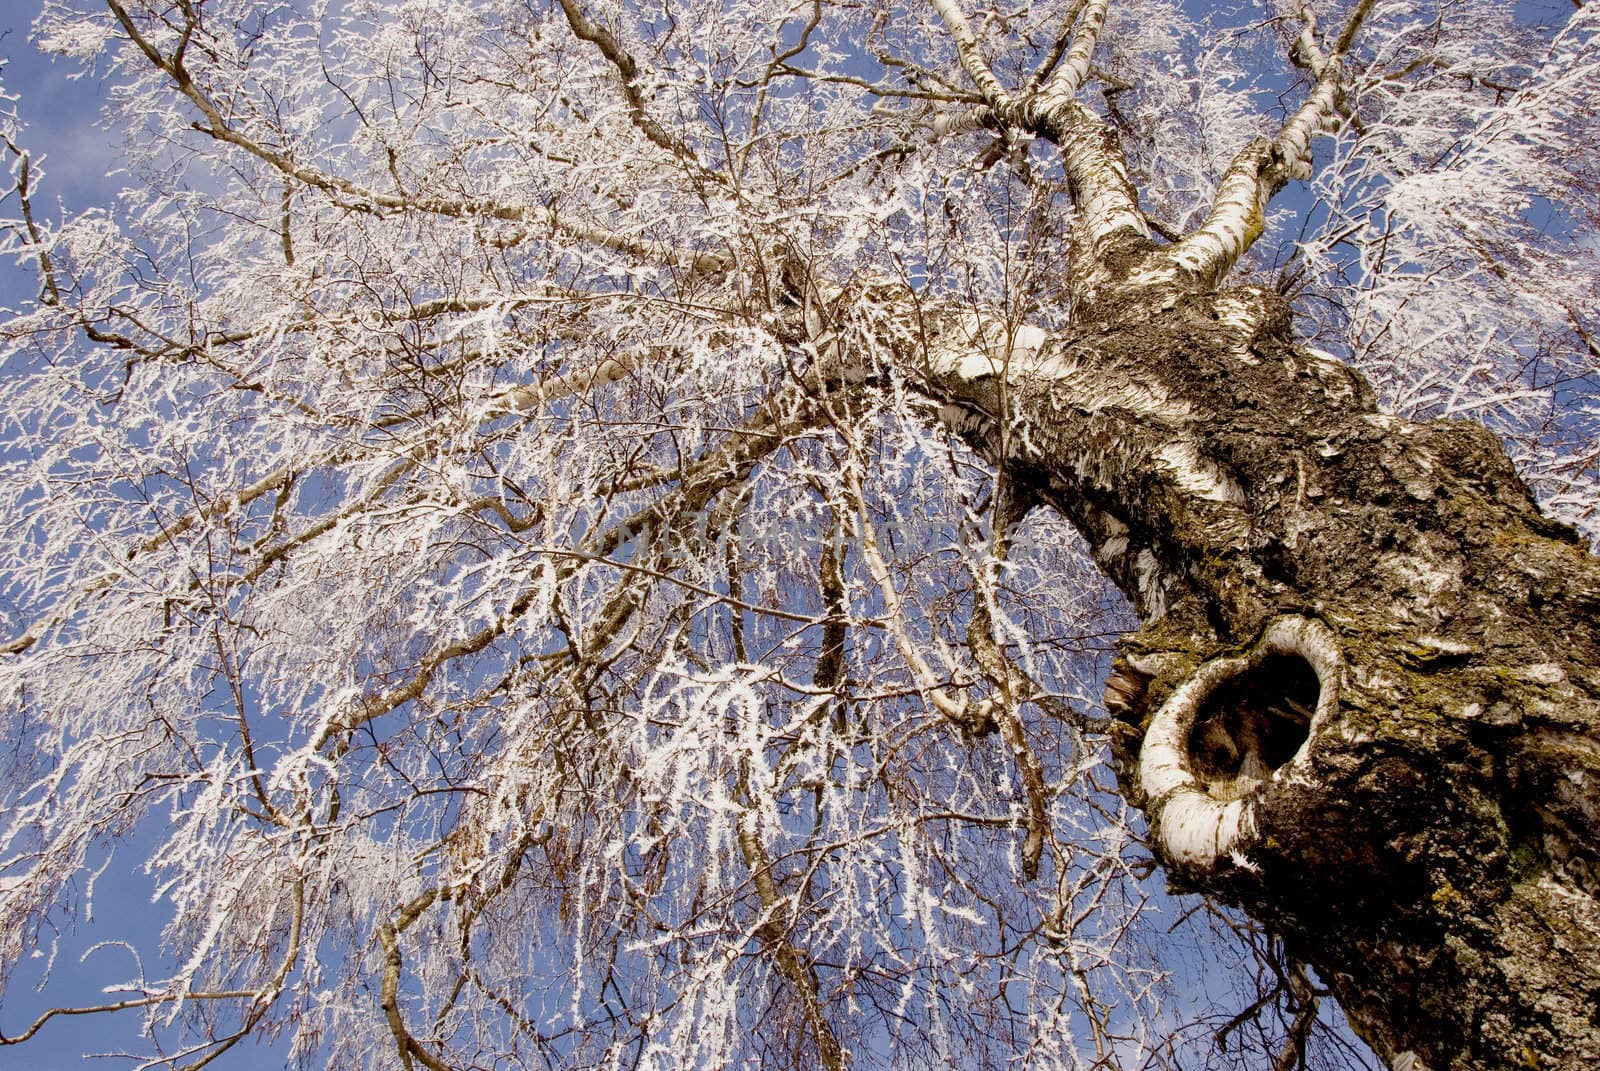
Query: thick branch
[[1096, 171], [1262, 169]]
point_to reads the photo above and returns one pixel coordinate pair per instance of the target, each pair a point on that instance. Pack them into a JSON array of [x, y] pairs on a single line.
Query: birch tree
[[748, 532]]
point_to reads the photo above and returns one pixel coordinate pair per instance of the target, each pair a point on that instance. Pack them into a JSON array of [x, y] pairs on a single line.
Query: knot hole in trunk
[[1222, 733], [1252, 724]]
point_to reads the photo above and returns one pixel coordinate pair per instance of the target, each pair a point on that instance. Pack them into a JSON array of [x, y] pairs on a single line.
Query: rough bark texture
[[1364, 704]]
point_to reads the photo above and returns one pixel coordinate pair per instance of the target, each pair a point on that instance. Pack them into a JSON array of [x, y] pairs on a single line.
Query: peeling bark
[[1364, 701]]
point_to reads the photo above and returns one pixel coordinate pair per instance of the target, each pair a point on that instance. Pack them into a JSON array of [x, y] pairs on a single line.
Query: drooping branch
[[260, 999], [407, 1047], [772, 929], [726, 465]]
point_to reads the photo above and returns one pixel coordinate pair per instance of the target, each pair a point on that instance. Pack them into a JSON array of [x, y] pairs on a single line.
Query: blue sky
[[61, 117]]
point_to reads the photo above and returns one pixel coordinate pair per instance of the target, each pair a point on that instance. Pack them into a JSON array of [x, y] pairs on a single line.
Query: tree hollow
[[1252, 724]]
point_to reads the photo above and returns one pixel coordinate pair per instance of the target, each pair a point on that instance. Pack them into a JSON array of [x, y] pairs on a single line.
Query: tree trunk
[[1364, 700]]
